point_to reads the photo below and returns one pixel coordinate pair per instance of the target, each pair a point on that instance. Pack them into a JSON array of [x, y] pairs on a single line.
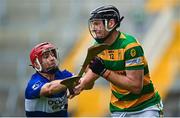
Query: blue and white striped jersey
[[54, 105]]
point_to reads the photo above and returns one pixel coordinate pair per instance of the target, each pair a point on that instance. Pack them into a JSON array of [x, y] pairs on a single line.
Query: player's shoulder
[[36, 78], [35, 81], [63, 74], [128, 39], [34, 85]]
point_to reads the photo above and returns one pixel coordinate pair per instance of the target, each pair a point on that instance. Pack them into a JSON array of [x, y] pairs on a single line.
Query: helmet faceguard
[[36, 57], [96, 29], [104, 13]]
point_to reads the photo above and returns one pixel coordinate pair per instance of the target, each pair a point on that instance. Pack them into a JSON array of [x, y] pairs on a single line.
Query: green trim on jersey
[[128, 97], [111, 65], [136, 49], [154, 100], [139, 67], [146, 70]]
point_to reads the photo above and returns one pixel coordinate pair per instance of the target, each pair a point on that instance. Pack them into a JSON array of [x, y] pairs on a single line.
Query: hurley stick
[[92, 52]]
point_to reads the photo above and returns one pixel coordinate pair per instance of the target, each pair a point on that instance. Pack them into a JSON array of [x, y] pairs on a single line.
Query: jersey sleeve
[[33, 89], [134, 57]]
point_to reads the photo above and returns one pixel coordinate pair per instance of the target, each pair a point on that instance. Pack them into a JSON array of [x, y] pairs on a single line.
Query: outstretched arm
[[52, 87], [85, 83]]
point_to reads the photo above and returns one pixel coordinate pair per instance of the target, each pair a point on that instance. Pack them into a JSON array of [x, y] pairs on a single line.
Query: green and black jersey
[[127, 54]]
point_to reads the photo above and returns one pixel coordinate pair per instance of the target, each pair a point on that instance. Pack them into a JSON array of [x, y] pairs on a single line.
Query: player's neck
[[112, 38], [48, 76]]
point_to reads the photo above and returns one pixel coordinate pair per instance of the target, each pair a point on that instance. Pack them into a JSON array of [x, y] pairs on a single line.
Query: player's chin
[[52, 65], [99, 36]]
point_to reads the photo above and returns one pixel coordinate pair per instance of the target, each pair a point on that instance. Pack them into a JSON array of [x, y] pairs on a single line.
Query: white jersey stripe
[[44, 104]]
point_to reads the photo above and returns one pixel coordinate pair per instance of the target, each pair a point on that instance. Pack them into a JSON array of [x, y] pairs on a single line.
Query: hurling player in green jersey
[[124, 65]]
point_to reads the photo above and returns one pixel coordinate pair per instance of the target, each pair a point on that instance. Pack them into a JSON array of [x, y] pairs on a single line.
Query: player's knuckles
[[77, 91]]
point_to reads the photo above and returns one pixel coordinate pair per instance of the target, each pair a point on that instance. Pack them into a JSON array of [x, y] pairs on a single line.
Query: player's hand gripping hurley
[[92, 52]]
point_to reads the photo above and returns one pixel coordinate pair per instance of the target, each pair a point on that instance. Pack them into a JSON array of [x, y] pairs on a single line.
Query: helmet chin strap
[[106, 26], [40, 67], [50, 70]]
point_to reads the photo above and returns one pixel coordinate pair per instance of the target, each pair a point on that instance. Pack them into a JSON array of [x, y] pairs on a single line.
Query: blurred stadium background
[[24, 23]]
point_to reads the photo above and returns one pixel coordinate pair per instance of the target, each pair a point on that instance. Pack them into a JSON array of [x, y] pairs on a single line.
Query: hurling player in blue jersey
[[44, 95]]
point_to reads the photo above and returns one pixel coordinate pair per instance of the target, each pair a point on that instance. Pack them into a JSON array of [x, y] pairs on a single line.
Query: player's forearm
[[123, 81], [56, 87], [88, 79], [52, 88]]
